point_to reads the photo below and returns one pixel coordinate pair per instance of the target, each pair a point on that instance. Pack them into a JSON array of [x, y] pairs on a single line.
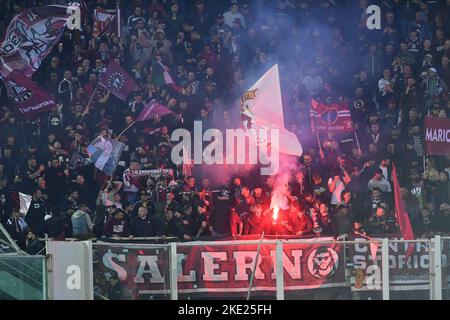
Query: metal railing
[[27, 274], [433, 274]]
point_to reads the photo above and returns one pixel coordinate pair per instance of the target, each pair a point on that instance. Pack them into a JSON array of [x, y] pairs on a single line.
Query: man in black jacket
[[142, 225], [56, 177], [165, 224], [36, 213], [146, 203]]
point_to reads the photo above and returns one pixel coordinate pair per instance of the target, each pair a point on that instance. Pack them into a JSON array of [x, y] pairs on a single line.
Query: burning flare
[[275, 213]]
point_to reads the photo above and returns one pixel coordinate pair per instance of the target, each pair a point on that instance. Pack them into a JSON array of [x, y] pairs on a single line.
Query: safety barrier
[[284, 269], [268, 269]]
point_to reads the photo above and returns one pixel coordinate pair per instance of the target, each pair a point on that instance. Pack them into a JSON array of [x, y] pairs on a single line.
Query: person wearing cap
[[238, 31], [220, 26], [145, 201], [137, 104], [233, 14], [249, 16]]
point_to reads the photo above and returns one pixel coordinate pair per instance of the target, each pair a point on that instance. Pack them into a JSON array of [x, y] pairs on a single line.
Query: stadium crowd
[[215, 50]]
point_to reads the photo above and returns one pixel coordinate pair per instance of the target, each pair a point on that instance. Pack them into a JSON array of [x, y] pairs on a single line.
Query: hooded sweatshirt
[[81, 223]]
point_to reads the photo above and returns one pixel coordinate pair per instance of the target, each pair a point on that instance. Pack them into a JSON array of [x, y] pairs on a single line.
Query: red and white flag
[[330, 117], [262, 108], [20, 201]]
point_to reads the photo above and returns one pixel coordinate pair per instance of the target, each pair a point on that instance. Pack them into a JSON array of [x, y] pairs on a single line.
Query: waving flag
[[161, 76], [261, 108], [30, 36], [330, 117], [117, 81], [77, 160], [20, 201], [29, 98], [106, 21], [153, 109], [402, 215], [105, 154]]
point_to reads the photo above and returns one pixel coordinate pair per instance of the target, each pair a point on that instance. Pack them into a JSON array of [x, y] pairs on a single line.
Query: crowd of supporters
[[391, 78]]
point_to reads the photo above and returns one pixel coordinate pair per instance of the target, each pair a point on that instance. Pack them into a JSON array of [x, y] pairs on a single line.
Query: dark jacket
[[142, 227], [35, 217], [303, 223], [114, 227], [163, 227]]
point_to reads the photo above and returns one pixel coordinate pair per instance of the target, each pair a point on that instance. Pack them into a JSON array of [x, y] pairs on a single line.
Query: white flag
[[21, 201], [261, 108]]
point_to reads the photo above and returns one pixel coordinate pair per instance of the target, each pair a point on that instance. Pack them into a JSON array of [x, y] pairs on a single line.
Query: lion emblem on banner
[[116, 81], [323, 262]]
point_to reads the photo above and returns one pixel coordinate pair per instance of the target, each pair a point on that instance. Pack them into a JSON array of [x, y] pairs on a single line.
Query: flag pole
[[119, 31], [254, 267], [424, 162], [126, 129], [357, 141], [93, 94], [318, 141]]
